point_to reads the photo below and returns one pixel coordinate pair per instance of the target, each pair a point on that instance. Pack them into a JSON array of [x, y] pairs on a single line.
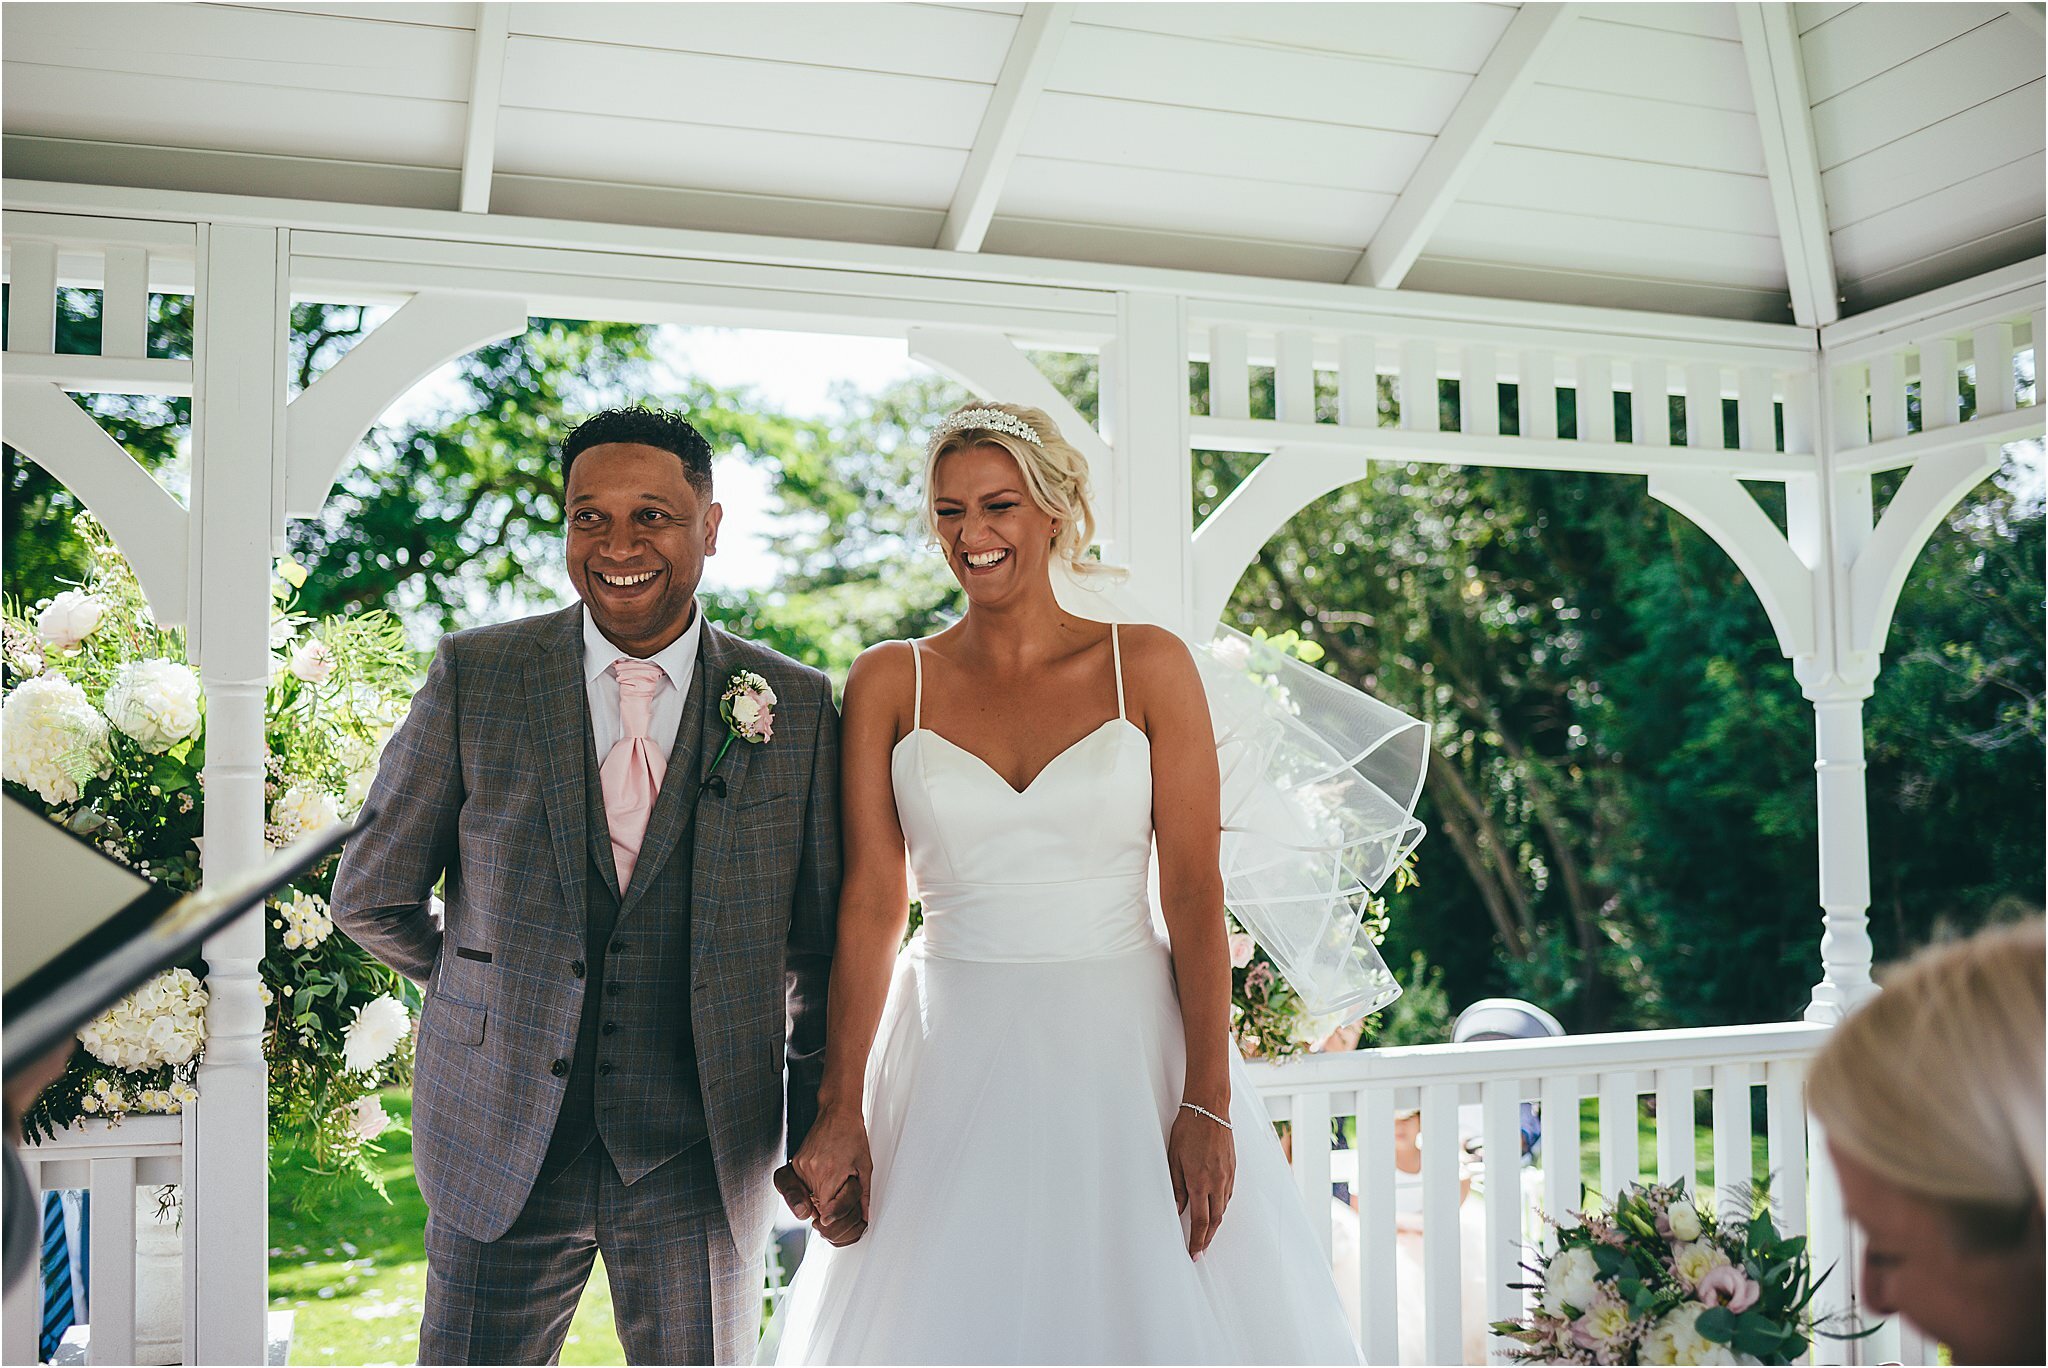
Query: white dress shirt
[[678, 662]]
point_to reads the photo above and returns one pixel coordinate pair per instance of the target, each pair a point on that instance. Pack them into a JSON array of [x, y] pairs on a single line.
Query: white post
[[1145, 418], [237, 431]]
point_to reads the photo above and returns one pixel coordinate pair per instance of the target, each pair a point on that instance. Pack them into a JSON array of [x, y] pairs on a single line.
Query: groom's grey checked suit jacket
[[490, 779]]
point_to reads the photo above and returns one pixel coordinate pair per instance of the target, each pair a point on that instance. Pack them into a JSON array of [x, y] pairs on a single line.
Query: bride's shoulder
[[1147, 647], [882, 669]]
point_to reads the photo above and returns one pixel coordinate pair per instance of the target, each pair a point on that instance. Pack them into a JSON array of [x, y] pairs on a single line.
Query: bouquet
[[105, 732], [1657, 1280]]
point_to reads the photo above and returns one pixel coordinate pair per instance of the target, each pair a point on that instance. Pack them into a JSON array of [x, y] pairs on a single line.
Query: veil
[[1320, 783]]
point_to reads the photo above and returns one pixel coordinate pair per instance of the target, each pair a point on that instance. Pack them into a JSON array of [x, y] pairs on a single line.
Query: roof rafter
[[1018, 86], [486, 85], [1784, 115], [1455, 154]]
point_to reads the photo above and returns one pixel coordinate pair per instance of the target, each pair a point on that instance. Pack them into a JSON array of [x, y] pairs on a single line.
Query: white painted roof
[[1626, 166]]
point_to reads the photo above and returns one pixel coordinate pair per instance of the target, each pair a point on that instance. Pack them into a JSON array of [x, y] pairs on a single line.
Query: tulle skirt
[[1022, 1209]]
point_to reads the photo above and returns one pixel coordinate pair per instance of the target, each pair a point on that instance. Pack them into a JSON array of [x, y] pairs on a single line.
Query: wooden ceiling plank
[[1030, 61], [486, 86], [1777, 79], [1451, 159]]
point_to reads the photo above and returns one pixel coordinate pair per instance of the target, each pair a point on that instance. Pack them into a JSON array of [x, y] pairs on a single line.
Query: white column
[[1145, 418], [237, 430]]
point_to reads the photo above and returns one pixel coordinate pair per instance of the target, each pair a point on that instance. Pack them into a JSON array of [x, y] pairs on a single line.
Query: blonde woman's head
[[1933, 1098], [964, 505]]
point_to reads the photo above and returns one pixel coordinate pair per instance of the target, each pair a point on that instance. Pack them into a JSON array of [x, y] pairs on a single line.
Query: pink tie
[[631, 774]]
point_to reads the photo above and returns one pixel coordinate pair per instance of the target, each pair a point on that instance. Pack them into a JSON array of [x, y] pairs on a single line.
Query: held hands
[[1203, 1159], [829, 1180]]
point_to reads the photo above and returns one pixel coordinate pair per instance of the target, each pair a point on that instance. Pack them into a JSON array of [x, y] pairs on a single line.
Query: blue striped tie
[[57, 1307]]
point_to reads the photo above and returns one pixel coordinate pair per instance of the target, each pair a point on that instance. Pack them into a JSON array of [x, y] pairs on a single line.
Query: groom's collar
[[678, 659]]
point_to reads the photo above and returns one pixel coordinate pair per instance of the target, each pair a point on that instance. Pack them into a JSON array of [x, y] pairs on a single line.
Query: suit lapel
[[678, 785], [719, 661], [559, 710]]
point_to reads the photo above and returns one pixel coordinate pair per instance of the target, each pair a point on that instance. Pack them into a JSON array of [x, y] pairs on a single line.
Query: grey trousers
[[680, 1291]]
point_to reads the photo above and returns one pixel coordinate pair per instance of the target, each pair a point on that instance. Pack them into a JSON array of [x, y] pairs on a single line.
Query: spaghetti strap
[[917, 698], [1117, 650]]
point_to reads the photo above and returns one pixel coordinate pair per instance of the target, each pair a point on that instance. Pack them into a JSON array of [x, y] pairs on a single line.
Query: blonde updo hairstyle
[[1937, 1084], [1055, 477]]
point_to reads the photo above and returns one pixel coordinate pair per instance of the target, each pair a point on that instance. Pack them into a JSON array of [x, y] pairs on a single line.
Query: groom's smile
[[639, 531]]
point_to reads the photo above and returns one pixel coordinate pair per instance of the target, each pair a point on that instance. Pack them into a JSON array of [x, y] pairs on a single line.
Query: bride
[[1036, 1142]]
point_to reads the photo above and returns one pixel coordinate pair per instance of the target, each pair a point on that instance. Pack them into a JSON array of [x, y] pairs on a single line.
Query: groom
[[637, 935]]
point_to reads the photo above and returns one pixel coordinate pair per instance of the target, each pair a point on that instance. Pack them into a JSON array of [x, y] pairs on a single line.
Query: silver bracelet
[[1204, 1111]]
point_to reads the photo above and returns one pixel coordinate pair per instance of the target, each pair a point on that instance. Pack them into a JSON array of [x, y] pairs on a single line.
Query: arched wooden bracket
[[324, 424], [1935, 486], [1285, 482], [990, 364], [1721, 507], [151, 527]]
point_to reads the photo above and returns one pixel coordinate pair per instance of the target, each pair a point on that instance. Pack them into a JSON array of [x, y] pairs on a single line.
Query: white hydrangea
[[162, 1022], [70, 618], [51, 738], [1676, 1338], [300, 809], [304, 919], [374, 1033], [156, 701]]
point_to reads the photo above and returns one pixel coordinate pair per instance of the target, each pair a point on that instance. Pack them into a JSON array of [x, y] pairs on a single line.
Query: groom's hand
[[842, 1219]]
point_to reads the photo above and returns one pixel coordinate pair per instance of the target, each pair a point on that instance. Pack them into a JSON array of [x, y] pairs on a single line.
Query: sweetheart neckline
[[997, 774]]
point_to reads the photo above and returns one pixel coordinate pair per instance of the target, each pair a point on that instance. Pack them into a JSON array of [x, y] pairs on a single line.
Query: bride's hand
[[834, 1168], [1203, 1160]]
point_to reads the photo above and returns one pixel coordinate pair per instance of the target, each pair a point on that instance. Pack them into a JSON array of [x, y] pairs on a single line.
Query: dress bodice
[[1057, 871]]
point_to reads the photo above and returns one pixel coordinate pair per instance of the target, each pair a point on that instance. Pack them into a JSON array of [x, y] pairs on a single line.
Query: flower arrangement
[[1657, 1280], [104, 731]]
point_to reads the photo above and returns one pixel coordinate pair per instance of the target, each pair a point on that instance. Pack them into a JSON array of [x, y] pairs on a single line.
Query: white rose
[[1571, 1280], [155, 701], [51, 738], [1685, 1222], [374, 1033], [1691, 1262], [70, 618], [745, 712], [313, 661], [1675, 1339], [300, 809]]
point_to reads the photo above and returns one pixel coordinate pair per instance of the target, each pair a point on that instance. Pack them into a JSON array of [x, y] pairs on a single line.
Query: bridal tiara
[[984, 419]]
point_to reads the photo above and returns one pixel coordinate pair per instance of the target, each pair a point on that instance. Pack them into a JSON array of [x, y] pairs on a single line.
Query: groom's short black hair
[[640, 426]]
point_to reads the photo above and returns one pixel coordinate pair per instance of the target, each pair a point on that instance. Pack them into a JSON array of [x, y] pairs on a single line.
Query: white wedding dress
[[1023, 1082]]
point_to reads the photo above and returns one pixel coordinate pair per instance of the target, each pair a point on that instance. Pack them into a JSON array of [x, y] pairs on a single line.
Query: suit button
[[559, 1067], [611, 1027], [614, 989], [576, 968], [605, 1068]]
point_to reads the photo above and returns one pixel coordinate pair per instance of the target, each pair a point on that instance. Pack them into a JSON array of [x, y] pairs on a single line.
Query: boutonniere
[[748, 707]]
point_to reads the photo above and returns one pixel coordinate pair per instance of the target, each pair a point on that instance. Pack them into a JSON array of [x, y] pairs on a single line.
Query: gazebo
[[1809, 212]]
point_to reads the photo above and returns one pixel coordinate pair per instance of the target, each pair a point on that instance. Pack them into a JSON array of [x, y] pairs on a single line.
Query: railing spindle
[[1230, 376], [1379, 1297], [1703, 426], [1992, 344], [1501, 1136], [1312, 1161], [1888, 396], [113, 1261], [1536, 394], [1649, 403], [1442, 1271], [1620, 1158], [1849, 404], [1731, 1136], [1561, 1183], [1358, 382], [1675, 1149], [1418, 385], [1596, 399], [124, 308], [1294, 377], [1479, 392], [1940, 394], [1785, 1141], [32, 298]]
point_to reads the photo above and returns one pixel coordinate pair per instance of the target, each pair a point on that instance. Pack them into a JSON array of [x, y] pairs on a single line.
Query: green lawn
[[355, 1270]]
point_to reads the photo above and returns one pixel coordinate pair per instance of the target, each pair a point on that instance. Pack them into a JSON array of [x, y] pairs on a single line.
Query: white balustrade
[[112, 1162], [1367, 1090]]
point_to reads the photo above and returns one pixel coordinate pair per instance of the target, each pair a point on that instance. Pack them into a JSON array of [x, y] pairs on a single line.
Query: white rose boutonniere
[[748, 707]]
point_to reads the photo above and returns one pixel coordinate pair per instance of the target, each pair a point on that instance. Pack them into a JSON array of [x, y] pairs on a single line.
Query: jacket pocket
[[461, 1022]]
